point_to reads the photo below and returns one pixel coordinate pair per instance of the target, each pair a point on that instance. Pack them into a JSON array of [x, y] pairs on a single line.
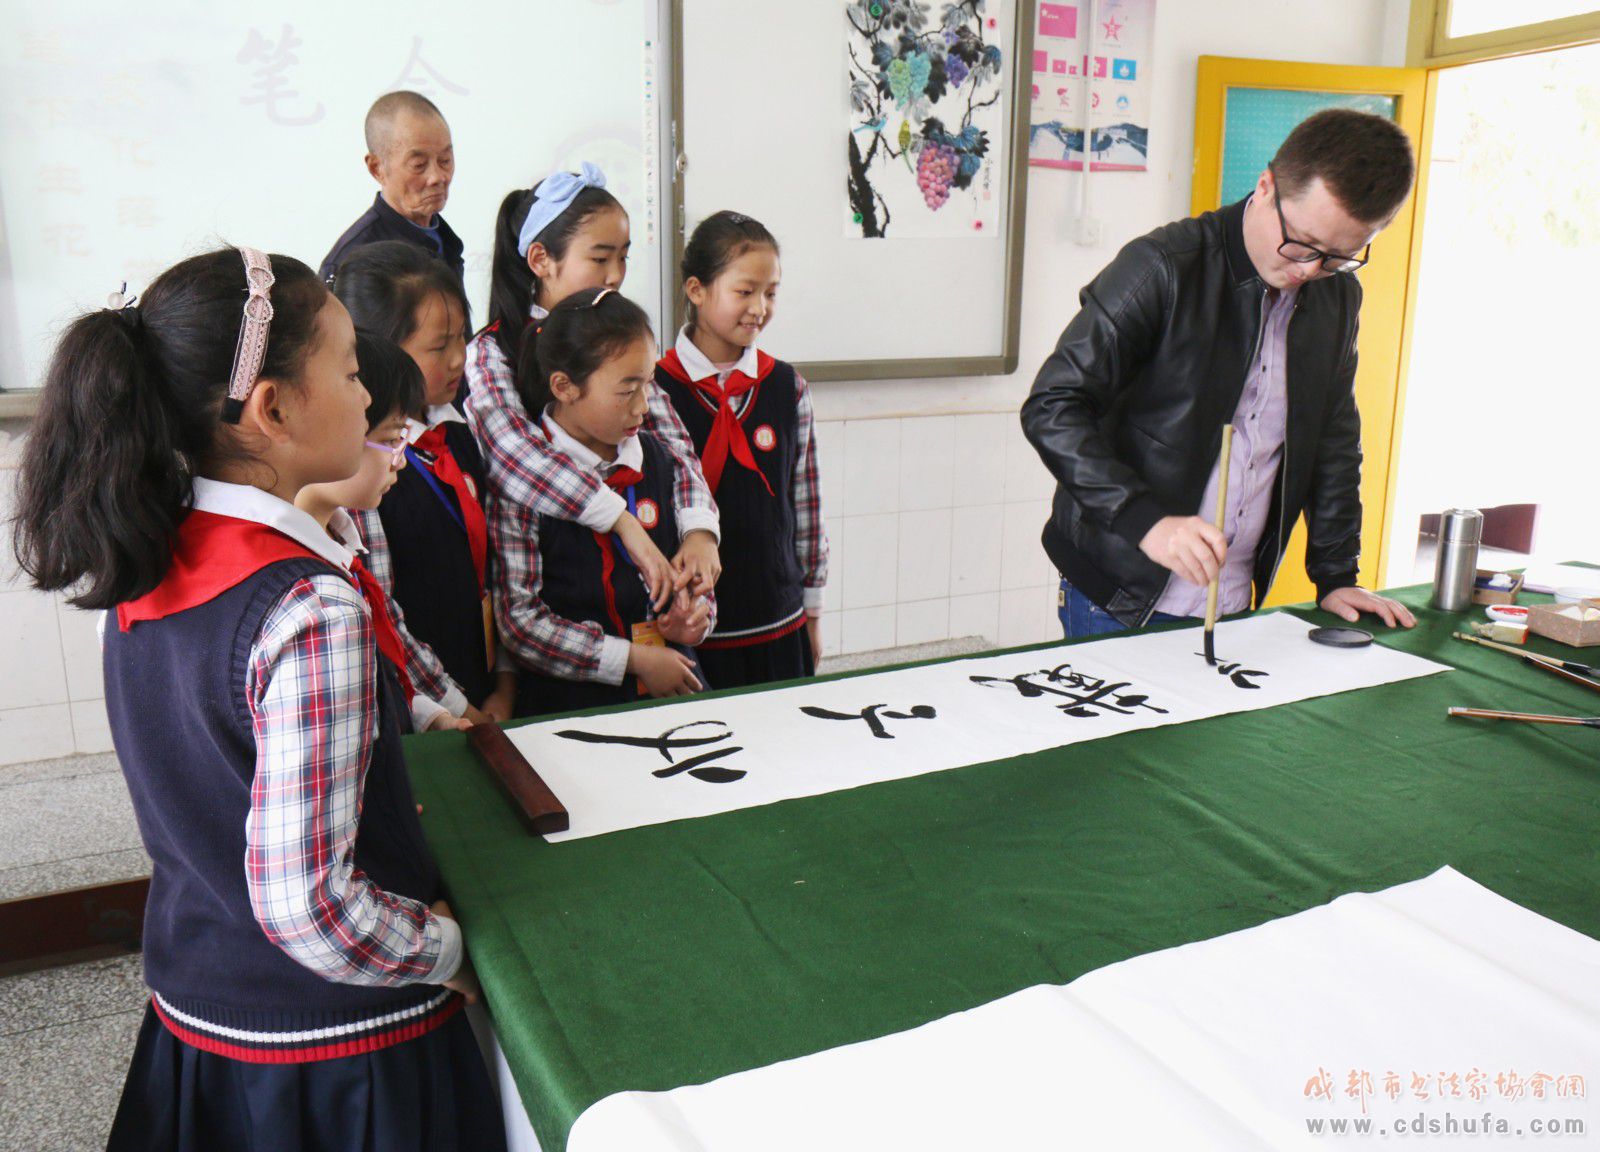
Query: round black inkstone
[[1341, 637]]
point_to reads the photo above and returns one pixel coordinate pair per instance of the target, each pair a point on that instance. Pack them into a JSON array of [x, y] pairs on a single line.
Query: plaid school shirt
[[810, 534], [527, 480], [547, 642], [311, 687], [436, 692]]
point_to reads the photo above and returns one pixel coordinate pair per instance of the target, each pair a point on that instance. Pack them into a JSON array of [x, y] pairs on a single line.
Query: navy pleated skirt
[[786, 658], [429, 1094]]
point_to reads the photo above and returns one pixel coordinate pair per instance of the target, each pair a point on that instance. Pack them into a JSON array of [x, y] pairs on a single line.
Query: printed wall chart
[[1114, 56]]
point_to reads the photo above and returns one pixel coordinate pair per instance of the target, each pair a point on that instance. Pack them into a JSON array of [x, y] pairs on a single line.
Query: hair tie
[[125, 308], [552, 197], [251, 350]]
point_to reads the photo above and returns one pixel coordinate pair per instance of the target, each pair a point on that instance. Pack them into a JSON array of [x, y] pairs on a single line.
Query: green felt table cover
[[681, 952]]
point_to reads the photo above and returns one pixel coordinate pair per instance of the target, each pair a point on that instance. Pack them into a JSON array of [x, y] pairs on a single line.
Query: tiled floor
[[942, 649], [65, 1039], [64, 824], [66, 1034]]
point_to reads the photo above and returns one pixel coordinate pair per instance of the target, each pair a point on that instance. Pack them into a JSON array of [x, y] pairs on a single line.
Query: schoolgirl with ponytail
[[576, 609], [563, 235], [306, 978], [751, 418]]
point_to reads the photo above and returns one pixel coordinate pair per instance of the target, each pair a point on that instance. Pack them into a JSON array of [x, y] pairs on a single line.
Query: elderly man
[[1244, 316], [410, 155]]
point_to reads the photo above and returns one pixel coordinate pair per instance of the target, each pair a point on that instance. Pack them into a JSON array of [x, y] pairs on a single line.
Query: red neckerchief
[[727, 433], [446, 469], [619, 479], [383, 624], [212, 553]]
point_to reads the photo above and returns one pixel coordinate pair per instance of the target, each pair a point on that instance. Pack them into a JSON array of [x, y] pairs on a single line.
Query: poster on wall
[[1095, 69], [926, 137]]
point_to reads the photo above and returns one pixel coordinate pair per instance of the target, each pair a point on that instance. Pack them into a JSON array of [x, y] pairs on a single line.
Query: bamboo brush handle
[[1222, 514], [1529, 717]]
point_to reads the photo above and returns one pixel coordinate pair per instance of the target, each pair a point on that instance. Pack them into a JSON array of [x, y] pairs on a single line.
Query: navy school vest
[[575, 584], [761, 590], [175, 696], [435, 583]]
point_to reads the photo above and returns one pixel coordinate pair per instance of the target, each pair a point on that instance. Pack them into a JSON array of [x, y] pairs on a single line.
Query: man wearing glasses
[[1247, 316]]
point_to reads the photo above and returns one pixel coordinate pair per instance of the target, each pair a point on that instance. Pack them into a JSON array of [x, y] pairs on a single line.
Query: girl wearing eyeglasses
[[395, 385], [429, 538]]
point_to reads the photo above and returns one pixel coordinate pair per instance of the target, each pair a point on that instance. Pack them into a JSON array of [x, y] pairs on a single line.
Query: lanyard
[[433, 482], [633, 510]]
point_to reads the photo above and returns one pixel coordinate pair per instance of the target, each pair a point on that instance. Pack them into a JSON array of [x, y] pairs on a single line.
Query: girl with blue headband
[[565, 235]]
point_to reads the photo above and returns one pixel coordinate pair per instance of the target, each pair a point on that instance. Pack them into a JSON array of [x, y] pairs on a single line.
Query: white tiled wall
[[934, 523], [51, 699]]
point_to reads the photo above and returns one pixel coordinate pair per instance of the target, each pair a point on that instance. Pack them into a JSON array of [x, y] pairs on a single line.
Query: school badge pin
[[766, 439], [649, 515]]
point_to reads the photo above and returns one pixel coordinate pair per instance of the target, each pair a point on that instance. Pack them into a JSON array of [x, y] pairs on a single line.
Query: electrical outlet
[[1086, 231]]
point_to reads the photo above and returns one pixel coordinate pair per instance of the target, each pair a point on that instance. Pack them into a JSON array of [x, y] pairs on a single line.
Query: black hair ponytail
[[512, 284], [580, 334], [130, 410]]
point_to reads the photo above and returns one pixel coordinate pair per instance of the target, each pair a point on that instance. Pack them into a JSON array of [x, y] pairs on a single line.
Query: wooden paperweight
[[541, 813]]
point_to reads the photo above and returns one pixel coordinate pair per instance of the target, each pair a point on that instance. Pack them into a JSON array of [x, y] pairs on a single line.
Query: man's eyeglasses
[[1301, 253]]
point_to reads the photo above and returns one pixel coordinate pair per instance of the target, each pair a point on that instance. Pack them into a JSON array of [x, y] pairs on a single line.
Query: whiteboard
[[763, 128], [137, 134]]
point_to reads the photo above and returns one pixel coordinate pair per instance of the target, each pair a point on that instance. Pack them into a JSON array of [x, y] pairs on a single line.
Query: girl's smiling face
[[731, 311], [439, 346]]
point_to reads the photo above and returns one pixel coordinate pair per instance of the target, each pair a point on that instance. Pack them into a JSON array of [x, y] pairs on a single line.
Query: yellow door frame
[[1388, 281]]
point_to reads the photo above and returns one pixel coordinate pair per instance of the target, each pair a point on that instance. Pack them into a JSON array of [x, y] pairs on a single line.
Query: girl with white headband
[[306, 978]]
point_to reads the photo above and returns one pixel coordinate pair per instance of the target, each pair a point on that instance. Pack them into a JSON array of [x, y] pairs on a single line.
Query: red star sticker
[[1112, 28]]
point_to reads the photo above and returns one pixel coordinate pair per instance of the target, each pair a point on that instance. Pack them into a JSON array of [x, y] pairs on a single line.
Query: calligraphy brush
[[1530, 717], [1568, 665], [1222, 508], [1554, 667]]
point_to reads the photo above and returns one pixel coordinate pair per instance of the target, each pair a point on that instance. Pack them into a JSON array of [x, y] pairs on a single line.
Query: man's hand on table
[[1350, 603]]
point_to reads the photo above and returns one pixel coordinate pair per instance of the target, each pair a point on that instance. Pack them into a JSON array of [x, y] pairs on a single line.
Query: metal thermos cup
[[1455, 567]]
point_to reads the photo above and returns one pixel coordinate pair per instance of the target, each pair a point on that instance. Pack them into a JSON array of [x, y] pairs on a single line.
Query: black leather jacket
[[1127, 412]]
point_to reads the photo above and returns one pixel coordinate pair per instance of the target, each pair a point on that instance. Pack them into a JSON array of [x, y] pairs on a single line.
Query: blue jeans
[[1081, 616]]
